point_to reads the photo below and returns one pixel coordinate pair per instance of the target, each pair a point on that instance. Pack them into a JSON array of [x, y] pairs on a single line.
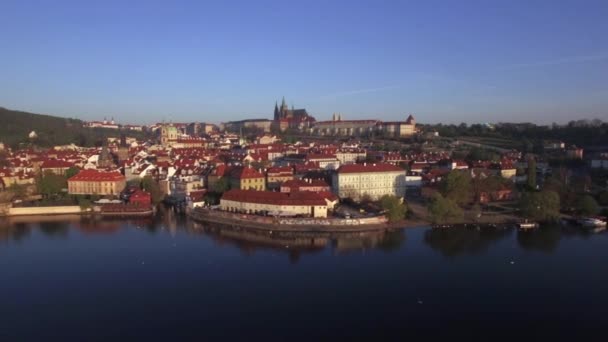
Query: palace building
[[95, 182], [374, 180]]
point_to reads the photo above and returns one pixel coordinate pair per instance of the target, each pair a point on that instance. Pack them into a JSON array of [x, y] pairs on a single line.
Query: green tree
[[540, 206], [531, 182], [444, 210], [150, 185], [395, 208], [50, 184], [222, 185], [587, 206], [72, 171], [456, 186]]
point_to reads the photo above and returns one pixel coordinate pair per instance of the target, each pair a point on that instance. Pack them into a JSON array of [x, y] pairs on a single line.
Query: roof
[[54, 163], [91, 175], [275, 198], [300, 183], [363, 168], [241, 172]]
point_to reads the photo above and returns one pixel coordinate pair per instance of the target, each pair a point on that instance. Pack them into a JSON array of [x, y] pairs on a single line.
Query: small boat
[[591, 222], [527, 225]]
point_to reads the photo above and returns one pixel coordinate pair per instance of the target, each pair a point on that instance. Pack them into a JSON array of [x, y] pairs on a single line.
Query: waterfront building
[[95, 182], [305, 203], [373, 180]]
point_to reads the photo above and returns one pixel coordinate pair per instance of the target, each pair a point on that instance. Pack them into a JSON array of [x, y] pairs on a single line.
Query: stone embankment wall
[[333, 222], [44, 210]]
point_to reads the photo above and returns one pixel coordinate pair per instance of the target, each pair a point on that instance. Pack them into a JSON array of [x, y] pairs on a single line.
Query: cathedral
[[291, 118]]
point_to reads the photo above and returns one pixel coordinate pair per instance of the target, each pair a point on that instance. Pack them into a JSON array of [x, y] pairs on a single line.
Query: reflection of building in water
[[463, 241], [91, 226], [250, 240], [384, 240]]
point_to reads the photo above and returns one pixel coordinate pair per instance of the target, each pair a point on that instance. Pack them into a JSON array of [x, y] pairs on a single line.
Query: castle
[[285, 118]]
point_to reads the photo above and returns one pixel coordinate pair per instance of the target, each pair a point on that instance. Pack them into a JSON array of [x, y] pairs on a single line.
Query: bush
[[396, 210], [444, 210]]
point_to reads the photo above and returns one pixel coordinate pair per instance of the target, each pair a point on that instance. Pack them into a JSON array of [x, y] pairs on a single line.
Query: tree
[[151, 186], [394, 206], [71, 172], [444, 210], [587, 206], [540, 206], [222, 185], [456, 186], [531, 182], [50, 184]]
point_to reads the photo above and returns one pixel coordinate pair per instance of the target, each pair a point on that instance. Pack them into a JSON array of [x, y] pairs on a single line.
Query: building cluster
[[301, 121]]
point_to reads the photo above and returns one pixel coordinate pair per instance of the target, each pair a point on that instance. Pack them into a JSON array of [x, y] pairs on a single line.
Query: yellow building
[[373, 180], [95, 182], [305, 203]]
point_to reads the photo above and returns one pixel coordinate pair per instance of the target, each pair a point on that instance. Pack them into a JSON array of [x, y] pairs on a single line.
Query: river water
[[71, 278]]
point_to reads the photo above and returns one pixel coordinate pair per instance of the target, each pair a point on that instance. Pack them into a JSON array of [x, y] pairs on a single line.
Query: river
[[72, 278]]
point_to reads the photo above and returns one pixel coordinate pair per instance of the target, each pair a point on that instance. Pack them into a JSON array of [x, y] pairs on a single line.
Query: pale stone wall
[[44, 210], [228, 205], [374, 184]]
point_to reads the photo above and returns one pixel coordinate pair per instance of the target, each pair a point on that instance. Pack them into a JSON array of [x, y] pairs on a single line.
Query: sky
[[214, 61]]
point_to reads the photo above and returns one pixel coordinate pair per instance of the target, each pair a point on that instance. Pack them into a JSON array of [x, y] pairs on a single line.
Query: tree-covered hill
[[15, 126]]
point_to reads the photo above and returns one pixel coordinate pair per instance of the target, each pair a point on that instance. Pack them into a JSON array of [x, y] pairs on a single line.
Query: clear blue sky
[[445, 61]]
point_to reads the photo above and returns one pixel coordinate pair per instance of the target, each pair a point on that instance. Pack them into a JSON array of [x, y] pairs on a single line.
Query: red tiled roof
[[54, 163], [360, 168], [283, 170], [92, 175], [241, 172], [276, 198], [315, 156]]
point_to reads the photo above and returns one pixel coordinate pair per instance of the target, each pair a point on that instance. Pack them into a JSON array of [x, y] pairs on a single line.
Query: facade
[[58, 167], [373, 180], [278, 175], [303, 203], [315, 185], [399, 129], [339, 127], [236, 126], [95, 182], [168, 133], [246, 178], [350, 156], [325, 161]]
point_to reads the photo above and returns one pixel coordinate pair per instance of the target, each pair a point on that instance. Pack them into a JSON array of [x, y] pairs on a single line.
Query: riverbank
[[77, 210], [294, 225]]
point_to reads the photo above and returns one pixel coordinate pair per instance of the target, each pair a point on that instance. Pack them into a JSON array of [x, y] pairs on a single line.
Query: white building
[[374, 180]]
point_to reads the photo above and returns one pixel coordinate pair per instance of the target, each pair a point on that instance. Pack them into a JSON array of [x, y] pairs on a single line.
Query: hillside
[[51, 130]]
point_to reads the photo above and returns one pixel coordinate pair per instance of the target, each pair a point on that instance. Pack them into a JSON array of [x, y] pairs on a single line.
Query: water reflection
[[544, 239], [452, 242]]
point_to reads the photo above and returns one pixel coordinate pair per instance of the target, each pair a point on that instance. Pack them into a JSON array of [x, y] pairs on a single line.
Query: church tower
[[276, 112]]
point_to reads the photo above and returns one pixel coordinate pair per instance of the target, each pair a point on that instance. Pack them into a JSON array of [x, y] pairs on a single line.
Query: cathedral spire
[[283, 104]]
